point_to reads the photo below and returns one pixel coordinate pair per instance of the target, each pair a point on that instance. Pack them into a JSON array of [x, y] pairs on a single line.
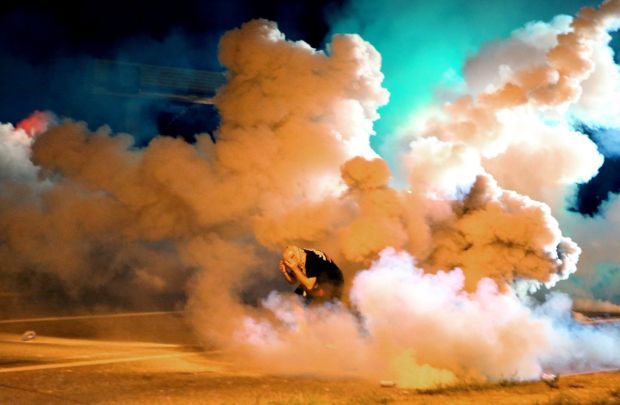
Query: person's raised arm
[[285, 273], [309, 283]]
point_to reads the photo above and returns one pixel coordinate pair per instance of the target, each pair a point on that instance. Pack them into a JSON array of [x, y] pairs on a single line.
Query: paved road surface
[[155, 359]]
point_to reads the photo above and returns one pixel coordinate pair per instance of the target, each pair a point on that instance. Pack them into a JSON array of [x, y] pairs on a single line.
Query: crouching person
[[319, 278]]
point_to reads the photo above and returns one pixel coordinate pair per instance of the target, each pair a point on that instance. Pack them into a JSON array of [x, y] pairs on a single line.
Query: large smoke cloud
[[439, 41], [424, 329], [436, 271]]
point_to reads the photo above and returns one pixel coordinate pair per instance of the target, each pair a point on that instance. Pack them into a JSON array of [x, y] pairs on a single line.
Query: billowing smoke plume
[[439, 37], [437, 272], [423, 329]]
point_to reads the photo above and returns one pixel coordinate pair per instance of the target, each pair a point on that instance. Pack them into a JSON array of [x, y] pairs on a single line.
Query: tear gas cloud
[[438, 271], [425, 59]]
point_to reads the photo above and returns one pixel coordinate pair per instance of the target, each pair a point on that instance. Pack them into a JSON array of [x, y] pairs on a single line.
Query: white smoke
[[15, 148], [423, 329]]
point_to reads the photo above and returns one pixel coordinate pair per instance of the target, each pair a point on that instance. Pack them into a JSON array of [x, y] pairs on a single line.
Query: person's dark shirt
[[328, 276]]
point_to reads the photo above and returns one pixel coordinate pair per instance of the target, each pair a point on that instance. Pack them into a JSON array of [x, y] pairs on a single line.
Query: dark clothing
[[328, 276]]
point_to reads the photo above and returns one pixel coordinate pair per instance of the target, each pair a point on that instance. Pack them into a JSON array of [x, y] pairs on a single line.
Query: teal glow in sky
[[423, 42]]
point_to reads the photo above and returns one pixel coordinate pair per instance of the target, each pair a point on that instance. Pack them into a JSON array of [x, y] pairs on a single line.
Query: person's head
[[293, 255]]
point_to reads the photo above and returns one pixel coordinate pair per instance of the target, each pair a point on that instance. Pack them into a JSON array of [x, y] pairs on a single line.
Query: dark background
[[48, 50]]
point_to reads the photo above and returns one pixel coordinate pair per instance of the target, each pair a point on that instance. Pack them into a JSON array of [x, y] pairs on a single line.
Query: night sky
[[39, 31], [46, 44]]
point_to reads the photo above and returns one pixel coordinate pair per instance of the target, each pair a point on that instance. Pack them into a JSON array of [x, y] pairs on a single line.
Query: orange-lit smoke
[[437, 272]]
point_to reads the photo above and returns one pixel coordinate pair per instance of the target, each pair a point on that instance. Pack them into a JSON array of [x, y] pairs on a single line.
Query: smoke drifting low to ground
[[438, 272]]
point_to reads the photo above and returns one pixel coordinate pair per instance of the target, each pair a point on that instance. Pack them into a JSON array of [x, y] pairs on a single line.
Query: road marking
[[69, 318], [83, 363], [604, 370]]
